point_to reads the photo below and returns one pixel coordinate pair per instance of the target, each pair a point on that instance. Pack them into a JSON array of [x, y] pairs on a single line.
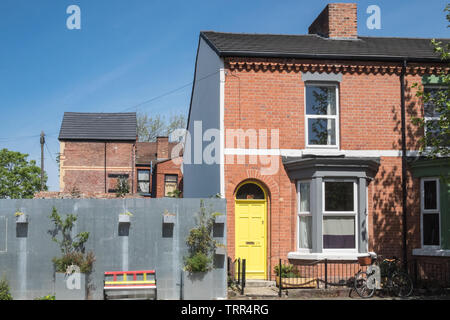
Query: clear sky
[[131, 51]]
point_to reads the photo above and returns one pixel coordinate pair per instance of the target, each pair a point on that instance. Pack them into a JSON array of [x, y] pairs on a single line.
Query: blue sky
[[132, 51]]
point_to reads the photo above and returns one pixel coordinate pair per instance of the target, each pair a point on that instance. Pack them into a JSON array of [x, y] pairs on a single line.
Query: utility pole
[[42, 159]]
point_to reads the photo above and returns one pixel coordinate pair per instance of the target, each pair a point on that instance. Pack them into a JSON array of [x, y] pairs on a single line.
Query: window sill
[[145, 194], [431, 252], [322, 151], [325, 255]]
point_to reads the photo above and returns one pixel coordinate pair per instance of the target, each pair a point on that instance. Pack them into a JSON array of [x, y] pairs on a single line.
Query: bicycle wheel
[[361, 285], [402, 284]]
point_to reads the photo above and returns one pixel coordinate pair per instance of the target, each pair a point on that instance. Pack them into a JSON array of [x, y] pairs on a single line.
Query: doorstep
[[259, 283]]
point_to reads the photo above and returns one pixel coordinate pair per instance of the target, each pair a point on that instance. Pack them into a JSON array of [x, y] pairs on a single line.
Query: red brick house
[[98, 148], [156, 173], [314, 148]]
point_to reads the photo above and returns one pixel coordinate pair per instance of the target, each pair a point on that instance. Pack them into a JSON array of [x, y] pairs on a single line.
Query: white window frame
[[302, 214], [335, 117], [353, 213], [149, 178], [429, 119], [165, 177], [424, 211]]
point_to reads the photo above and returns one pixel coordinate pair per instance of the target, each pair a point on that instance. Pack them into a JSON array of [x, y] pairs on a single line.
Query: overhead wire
[[10, 139]]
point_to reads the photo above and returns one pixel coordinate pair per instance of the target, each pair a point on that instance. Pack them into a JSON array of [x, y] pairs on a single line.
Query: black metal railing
[[237, 273], [430, 274], [319, 274]]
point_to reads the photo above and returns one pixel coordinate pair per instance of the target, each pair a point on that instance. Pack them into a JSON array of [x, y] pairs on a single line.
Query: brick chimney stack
[[336, 21], [162, 148]]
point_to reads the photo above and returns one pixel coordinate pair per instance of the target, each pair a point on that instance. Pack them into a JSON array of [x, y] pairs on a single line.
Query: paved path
[[271, 293]]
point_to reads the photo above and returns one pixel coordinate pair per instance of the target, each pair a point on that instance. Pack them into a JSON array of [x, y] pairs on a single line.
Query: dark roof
[[146, 152], [314, 46], [99, 126]]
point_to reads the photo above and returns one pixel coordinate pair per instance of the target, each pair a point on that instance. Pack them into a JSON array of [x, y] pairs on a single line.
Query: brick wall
[[82, 165], [370, 119], [171, 167], [337, 20], [369, 108]]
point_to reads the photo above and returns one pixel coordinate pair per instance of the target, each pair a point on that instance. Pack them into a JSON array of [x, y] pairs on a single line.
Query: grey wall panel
[[146, 244]]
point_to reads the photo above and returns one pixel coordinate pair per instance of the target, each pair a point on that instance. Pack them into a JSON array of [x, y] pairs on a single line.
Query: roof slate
[[146, 152], [314, 46], [99, 126]]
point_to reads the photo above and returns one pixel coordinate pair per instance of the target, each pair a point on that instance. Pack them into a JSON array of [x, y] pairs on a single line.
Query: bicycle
[[384, 274]]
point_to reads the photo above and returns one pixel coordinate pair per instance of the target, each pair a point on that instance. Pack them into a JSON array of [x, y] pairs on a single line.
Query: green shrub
[[72, 249], [201, 243], [174, 194], [122, 187], [4, 290], [287, 271], [48, 297], [83, 261], [199, 262]]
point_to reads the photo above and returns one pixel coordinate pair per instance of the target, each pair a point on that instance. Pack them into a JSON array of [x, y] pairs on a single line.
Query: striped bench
[[126, 283]]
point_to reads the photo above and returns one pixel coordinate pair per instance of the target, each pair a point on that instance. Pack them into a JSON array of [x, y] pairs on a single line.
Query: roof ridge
[[261, 34], [71, 112], [318, 36]]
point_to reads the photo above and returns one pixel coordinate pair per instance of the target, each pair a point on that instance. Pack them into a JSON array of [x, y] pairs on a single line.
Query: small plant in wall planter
[[21, 217], [219, 217], [221, 249], [125, 217], [169, 217], [47, 297]]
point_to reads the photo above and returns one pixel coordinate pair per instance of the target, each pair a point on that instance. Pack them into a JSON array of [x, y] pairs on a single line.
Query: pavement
[[272, 293]]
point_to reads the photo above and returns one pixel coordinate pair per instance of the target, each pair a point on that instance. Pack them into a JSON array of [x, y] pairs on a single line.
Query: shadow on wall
[[387, 196]]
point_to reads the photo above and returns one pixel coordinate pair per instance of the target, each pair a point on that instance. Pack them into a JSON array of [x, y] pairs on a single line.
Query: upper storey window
[[322, 115], [432, 108]]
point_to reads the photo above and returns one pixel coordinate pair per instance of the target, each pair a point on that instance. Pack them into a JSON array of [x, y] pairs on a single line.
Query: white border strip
[[304, 152], [222, 130]]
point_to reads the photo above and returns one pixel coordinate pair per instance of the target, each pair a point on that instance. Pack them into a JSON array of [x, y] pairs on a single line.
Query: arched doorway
[[251, 228]]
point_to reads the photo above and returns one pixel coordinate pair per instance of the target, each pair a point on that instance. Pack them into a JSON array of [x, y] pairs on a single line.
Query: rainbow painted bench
[[126, 283]]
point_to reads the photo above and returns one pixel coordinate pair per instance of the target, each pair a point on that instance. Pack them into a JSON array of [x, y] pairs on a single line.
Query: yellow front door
[[251, 236]]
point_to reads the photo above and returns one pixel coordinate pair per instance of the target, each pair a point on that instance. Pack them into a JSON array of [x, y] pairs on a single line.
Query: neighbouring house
[[156, 173], [310, 139], [96, 149]]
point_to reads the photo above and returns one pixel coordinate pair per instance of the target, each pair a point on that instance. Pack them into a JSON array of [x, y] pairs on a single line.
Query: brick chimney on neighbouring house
[[162, 148], [336, 21]]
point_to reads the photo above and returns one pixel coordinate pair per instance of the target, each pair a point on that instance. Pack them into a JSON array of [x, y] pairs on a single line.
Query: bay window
[[339, 215], [332, 210], [430, 212], [304, 216]]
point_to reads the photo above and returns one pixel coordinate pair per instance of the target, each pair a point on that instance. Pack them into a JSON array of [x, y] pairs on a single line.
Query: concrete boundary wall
[[26, 250]]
